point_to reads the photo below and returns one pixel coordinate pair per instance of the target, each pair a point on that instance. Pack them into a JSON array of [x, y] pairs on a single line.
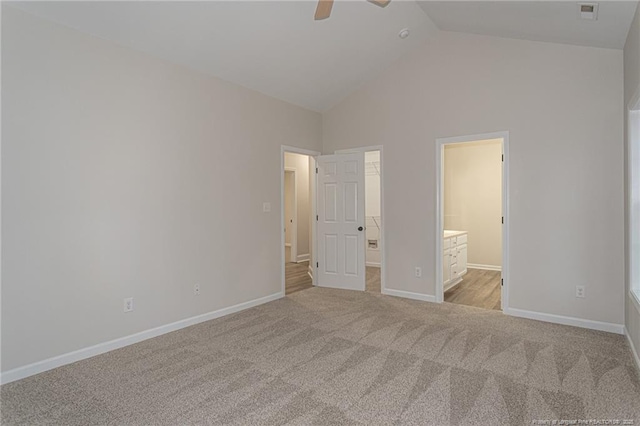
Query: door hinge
[[316, 170], [317, 265], [316, 218], [503, 219], [502, 157], [502, 282]]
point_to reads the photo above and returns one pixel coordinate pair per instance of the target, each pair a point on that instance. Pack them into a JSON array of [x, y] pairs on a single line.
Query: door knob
[[360, 228]]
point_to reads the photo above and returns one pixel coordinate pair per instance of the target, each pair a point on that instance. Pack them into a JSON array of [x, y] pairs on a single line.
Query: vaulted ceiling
[[278, 49], [551, 21]]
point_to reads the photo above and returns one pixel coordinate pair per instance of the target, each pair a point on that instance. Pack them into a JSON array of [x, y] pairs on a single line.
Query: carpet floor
[[325, 357]]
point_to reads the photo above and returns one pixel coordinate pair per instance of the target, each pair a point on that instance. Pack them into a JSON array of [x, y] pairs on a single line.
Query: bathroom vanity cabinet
[[454, 260]]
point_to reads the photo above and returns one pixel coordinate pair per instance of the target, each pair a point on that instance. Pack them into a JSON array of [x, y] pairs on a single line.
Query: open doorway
[[470, 224], [373, 227], [298, 175]]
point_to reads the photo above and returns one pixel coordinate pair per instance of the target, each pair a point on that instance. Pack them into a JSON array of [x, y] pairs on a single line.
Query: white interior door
[[341, 221]]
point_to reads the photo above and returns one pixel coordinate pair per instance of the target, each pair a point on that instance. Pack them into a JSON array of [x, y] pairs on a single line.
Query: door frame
[[312, 208], [294, 229], [383, 254], [440, 143]]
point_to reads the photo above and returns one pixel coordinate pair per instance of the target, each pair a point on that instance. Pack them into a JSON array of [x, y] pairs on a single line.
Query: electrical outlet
[[580, 291], [266, 207], [196, 289], [418, 272], [128, 304]]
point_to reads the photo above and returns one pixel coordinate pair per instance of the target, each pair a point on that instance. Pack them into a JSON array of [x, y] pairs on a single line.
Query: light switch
[[266, 207]]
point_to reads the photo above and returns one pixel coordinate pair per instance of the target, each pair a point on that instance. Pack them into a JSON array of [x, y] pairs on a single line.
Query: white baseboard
[[100, 348], [310, 271], [373, 264], [485, 267], [409, 295], [633, 349], [560, 319], [303, 258]]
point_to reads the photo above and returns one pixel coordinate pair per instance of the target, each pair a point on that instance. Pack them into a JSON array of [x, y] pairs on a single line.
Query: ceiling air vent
[[588, 11]]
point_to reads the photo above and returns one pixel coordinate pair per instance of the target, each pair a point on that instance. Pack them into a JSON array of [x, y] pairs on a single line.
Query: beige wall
[[473, 198], [301, 165], [631, 84], [563, 108], [127, 176]]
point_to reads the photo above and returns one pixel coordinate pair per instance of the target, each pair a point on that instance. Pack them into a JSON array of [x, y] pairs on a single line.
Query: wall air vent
[[588, 11]]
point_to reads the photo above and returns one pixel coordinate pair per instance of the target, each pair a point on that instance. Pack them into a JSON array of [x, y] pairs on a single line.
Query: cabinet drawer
[[454, 241], [454, 271], [462, 239], [447, 243]]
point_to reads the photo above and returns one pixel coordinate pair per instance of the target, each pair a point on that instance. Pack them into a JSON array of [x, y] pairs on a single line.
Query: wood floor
[[478, 288], [297, 278], [373, 280]]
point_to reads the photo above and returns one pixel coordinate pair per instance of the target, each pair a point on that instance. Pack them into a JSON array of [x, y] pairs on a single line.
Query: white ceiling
[[275, 47], [552, 21]]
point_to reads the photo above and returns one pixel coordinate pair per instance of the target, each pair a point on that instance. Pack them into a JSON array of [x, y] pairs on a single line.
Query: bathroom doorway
[[471, 221]]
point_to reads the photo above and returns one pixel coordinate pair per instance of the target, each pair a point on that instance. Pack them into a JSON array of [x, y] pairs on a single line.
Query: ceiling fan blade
[[323, 11], [381, 3]]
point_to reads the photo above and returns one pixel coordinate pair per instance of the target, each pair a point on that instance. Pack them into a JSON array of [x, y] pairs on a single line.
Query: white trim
[[294, 228], [634, 102], [439, 146], [313, 244], [635, 301], [283, 149], [302, 258], [484, 267], [100, 348], [560, 319], [633, 349], [383, 252], [373, 264], [632, 201], [409, 295]]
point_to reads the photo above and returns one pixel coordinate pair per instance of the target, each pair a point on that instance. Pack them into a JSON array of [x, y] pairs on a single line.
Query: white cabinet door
[[446, 267], [454, 272], [341, 221], [462, 260]]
